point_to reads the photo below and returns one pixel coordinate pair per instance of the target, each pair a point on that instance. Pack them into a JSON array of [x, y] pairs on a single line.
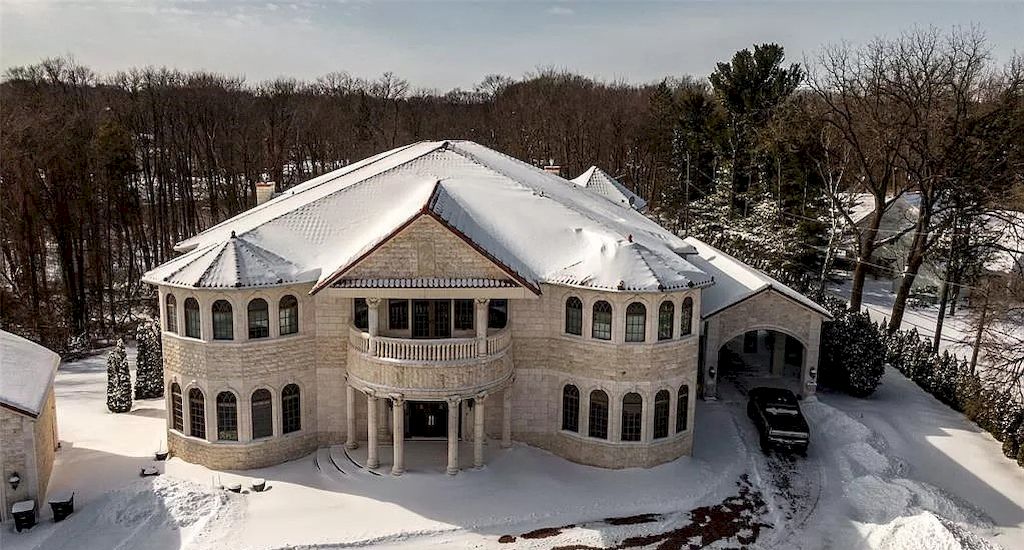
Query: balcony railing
[[434, 350]]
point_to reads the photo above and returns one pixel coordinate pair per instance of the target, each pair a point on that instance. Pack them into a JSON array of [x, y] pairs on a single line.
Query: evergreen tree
[[149, 370], [119, 380], [853, 353]]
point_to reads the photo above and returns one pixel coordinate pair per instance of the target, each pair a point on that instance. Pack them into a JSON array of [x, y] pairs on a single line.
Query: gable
[[425, 248]]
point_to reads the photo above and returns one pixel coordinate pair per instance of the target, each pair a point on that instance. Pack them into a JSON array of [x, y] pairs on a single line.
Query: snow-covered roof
[[1008, 250], [597, 180], [736, 281], [26, 373], [531, 223], [902, 213]]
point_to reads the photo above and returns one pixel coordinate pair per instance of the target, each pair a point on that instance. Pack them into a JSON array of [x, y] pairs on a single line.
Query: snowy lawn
[[895, 471]]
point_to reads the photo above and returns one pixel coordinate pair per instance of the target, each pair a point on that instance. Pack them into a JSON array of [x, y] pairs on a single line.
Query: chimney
[[264, 191], [553, 169]]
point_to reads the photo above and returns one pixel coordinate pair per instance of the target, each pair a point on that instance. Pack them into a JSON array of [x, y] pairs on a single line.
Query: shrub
[[853, 352]]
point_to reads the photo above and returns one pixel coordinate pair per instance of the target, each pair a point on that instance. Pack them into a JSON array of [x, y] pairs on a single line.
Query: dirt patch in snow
[[546, 532], [738, 518], [633, 520]]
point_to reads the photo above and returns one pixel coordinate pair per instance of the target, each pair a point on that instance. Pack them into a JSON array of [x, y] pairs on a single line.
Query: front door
[[427, 419]]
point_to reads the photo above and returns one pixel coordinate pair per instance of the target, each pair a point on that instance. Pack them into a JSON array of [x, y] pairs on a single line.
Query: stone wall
[[27, 447], [241, 456], [46, 441]]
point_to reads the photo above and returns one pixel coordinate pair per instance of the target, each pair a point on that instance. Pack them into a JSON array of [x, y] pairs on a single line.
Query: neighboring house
[[446, 290], [598, 181], [28, 420], [898, 220]]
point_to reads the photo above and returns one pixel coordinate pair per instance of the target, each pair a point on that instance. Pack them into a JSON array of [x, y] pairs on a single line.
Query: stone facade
[[352, 381], [27, 447]]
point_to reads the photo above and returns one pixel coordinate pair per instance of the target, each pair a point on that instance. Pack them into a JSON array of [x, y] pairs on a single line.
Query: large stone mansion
[[446, 290]]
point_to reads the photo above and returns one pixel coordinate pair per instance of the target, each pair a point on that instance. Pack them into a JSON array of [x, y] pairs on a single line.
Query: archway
[[763, 357]]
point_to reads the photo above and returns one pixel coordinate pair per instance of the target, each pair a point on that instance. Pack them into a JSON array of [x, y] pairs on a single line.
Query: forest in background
[[102, 174]]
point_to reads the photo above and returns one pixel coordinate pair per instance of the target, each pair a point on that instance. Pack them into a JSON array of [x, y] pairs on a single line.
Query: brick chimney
[[264, 191], [553, 169]]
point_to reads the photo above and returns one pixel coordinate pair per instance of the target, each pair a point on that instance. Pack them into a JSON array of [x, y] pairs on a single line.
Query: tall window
[[574, 316], [571, 408], [665, 320], [602, 326], [686, 317], [682, 408], [661, 406], [171, 314], [288, 315], [223, 324], [259, 318], [463, 314], [196, 413], [632, 416], [636, 322], [497, 314], [227, 416], [192, 322], [598, 414], [262, 414], [177, 413], [291, 411], [398, 314], [361, 314]]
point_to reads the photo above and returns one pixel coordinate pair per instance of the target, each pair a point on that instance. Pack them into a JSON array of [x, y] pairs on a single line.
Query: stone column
[[398, 434], [453, 436], [373, 322], [711, 348], [478, 431], [481, 325], [778, 353], [350, 417], [506, 417], [371, 432]]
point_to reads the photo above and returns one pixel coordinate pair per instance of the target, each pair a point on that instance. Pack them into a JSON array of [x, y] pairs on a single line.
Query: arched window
[[262, 414], [686, 317], [192, 322], [666, 314], [571, 408], [661, 406], [223, 322], [227, 416], [598, 414], [259, 319], [291, 411], [574, 316], [602, 326], [288, 315], [497, 314], [632, 416], [360, 314], [636, 322], [177, 412], [682, 408], [196, 413], [171, 314]]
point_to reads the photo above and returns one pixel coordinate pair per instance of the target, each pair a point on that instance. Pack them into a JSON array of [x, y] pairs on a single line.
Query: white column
[[398, 434], [506, 417], [371, 432], [478, 431], [350, 417], [481, 324], [373, 321], [453, 436]]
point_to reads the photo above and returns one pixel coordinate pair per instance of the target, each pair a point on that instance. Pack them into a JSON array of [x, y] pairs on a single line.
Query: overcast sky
[[445, 44]]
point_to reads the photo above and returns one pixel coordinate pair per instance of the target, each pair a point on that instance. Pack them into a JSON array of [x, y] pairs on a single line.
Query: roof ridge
[[200, 252], [209, 266]]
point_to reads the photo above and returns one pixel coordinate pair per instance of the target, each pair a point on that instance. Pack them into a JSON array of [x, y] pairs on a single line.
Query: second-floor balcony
[[435, 350]]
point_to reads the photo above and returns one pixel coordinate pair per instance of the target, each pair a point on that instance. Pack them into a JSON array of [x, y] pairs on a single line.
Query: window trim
[[177, 412], [249, 318], [565, 410], [280, 315], [683, 413], [218, 406], [171, 313], [286, 405], [577, 312], [667, 307], [591, 415], [198, 311], [610, 324], [270, 414], [667, 404], [686, 316], [636, 423], [230, 312], [192, 424]]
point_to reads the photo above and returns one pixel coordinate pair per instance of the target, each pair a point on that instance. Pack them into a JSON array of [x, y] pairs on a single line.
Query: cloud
[[560, 10]]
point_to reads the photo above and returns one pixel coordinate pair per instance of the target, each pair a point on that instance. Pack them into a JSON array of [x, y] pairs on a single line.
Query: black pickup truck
[[778, 419]]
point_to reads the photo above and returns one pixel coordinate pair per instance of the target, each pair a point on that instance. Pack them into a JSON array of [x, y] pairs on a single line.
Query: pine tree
[[149, 370], [119, 380]]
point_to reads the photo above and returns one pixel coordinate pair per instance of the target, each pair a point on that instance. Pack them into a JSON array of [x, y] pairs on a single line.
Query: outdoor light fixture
[[813, 373], [712, 371], [14, 480]]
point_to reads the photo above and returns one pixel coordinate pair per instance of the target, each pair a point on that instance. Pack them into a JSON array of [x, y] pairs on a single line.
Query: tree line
[[102, 174]]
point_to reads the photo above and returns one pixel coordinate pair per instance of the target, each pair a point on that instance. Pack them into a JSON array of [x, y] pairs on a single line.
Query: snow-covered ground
[[898, 470]]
